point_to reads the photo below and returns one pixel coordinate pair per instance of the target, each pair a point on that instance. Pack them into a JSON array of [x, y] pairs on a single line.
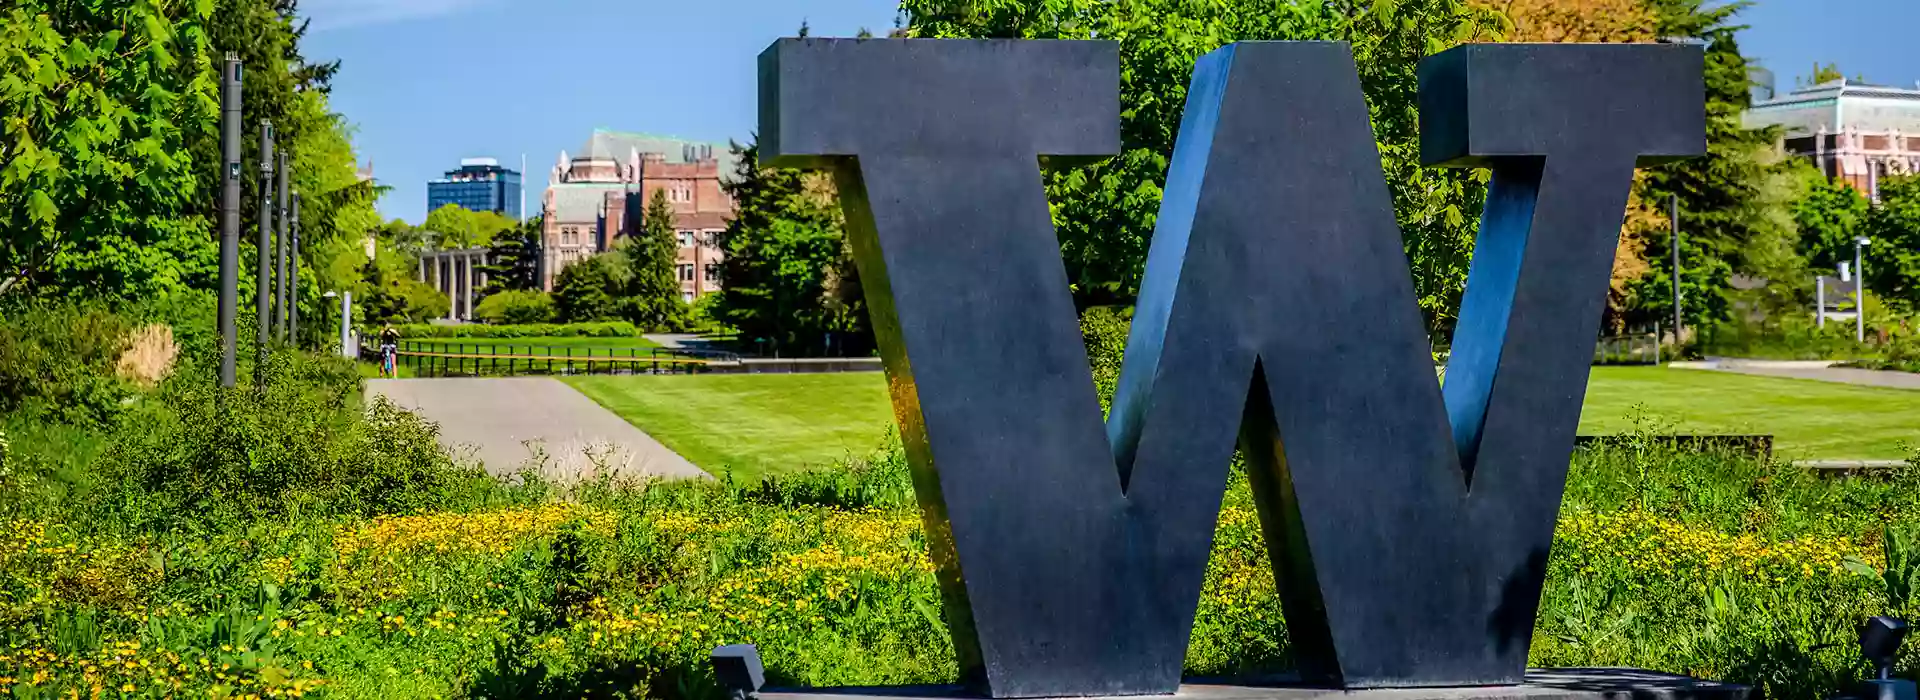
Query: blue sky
[[428, 82]]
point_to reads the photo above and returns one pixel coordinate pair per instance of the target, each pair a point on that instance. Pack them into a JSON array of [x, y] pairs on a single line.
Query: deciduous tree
[[457, 227], [98, 102], [1893, 256], [1105, 213], [589, 290]]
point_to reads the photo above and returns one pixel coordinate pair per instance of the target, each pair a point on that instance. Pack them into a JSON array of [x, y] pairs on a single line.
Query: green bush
[[58, 358], [606, 329], [1712, 564], [204, 458], [1105, 329], [590, 290], [516, 306]]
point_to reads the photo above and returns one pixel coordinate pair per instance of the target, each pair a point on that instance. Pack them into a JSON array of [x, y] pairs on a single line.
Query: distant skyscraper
[[479, 185]]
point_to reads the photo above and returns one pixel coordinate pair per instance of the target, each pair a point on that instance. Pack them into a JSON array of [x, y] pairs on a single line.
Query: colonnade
[[457, 274]]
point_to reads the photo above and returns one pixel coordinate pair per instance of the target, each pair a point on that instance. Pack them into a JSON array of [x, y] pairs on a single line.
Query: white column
[[466, 286], [346, 326]]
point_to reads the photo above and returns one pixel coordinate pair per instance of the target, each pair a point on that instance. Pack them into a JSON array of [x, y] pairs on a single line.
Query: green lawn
[[1808, 419], [754, 424], [769, 424]]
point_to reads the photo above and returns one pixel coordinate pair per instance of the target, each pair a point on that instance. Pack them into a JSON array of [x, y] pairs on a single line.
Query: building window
[[713, 273], [712, 239], [686, 273], [686, 239], [686, 297]]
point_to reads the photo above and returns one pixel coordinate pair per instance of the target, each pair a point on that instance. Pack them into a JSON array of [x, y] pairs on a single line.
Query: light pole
[[326, 311], [1860, 290], [263, 279], [229, 217], [1673, 219]]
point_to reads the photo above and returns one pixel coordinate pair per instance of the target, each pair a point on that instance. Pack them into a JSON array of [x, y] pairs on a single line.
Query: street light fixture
[[326, 309], [1860, 290]]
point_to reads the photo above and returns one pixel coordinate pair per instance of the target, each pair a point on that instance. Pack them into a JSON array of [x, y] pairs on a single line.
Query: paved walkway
[[1842, 375], [505, 423]]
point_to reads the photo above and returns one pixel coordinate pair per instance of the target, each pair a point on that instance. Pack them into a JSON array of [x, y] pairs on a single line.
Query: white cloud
[[335, 14]]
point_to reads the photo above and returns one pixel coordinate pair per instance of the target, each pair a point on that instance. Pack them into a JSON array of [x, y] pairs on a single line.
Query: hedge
[[609, 329]]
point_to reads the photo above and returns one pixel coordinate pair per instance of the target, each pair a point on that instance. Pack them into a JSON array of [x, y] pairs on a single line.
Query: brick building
[[597, 197], [1854, 132]]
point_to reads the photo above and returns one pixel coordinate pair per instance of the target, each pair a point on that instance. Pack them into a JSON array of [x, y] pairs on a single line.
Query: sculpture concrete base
[[1542, 684]]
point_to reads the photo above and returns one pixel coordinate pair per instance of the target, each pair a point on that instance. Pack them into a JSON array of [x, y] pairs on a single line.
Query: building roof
[[1837, 106], [612, 145], [581, 201]]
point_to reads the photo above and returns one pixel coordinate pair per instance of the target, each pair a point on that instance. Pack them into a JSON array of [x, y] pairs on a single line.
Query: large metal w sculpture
[[1409, 525]]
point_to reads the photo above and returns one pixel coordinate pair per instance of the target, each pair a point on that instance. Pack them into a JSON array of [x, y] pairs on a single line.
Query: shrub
[[203, 458], [1105, 329], [515, 306], [59, 358], [589, 290], [703, 315], [606, 329]]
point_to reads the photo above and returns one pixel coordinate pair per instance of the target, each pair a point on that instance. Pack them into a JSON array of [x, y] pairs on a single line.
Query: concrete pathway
[[507, 423], [1812, 370]]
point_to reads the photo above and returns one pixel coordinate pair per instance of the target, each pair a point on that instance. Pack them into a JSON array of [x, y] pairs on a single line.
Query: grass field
[[752, 424], [770, 424], [1808, 419]]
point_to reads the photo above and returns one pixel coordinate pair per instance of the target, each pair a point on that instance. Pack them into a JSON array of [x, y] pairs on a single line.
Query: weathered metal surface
[[1410, 527], [229, 216]]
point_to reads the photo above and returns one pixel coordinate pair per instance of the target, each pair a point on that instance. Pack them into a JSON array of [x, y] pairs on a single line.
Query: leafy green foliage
[[457, 228], [516, 307], [113, 172], [608, 329], [515, 259], [1830, 216], [206, 457], [652, 298], [390, 295], [1105, 212], [1105, 330], [589, 290], [97, 104], [1736, 202], [58, 359], [791, 284], [1893, 257]]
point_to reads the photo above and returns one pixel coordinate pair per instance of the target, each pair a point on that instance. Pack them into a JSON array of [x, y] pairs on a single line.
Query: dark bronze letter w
[[1410, 526]]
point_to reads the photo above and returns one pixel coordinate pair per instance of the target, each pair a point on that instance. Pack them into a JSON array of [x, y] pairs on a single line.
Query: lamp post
[[1673, 220], [1860, 289], [326, 310], [229, 217]]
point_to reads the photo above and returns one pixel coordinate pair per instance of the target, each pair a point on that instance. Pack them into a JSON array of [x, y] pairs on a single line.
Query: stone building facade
[[1854, 132], [599, 196]]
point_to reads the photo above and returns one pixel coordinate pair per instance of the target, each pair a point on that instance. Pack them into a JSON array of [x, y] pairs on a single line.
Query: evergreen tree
[[790, 283], [514, 259], [653, 289], [1735, 203]]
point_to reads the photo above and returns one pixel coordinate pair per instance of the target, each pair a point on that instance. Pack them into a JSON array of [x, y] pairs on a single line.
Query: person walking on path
[[389, 348]]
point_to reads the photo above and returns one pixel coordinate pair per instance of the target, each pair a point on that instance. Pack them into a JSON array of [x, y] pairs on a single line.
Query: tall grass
[[293, 541]]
